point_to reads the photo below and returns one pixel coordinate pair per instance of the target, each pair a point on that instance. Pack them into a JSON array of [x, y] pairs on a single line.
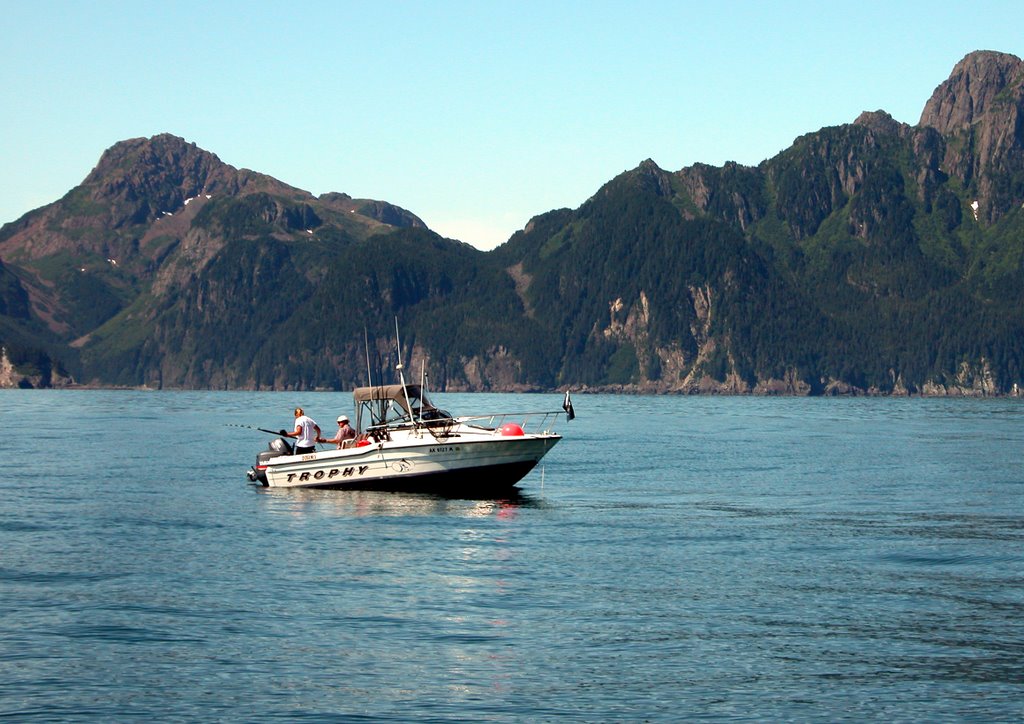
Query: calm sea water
[[676, 557]]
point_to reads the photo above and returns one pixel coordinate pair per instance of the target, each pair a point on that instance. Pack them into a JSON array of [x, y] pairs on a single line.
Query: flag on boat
[[567, 406]]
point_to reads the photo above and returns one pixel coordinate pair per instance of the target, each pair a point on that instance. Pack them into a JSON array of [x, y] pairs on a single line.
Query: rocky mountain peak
[[142, 160], [979, 111], [164, 149], [142, 178], [881, 123], [975, 85], [652, 177]]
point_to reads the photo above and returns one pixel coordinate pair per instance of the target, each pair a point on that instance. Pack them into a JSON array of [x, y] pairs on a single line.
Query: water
[[722, 558]]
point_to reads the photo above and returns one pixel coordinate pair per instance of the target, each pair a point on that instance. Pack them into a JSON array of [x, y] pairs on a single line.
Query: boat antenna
[[401, 374], [366, 344], [423, 385], [398, 344], [381, 402]]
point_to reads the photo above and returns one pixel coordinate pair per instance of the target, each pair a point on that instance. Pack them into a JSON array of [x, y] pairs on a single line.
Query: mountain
[[872, 257], [869, 257], [101, 266]]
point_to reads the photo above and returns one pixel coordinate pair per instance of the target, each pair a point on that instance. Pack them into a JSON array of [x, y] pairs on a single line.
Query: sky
[[475, 116]]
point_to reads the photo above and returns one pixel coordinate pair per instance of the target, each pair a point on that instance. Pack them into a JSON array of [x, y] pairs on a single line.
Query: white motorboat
[[406, 443]]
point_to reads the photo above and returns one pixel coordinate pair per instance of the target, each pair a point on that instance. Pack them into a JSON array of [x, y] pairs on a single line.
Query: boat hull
[[452, 465]]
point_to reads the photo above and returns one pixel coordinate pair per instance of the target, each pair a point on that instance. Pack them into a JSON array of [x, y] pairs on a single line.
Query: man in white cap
[[344, 434]]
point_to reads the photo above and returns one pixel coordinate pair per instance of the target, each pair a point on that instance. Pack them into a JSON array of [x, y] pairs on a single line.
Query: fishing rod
[[260, 429], [280, 433]]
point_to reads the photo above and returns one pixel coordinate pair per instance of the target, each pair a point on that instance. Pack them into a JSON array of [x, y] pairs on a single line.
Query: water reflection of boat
[[405, 443], [379, 504]]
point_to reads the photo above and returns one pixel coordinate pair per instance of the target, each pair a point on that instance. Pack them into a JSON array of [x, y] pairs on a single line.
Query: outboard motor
[[277, 447]]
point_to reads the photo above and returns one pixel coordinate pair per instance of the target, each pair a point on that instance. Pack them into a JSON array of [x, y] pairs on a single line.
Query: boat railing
[[532, 422]]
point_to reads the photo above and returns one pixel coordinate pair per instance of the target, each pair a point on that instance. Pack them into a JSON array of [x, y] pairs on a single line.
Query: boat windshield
[[393, 405]]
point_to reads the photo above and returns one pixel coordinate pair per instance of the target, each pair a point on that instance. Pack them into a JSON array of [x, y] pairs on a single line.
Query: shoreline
[[934, 391]]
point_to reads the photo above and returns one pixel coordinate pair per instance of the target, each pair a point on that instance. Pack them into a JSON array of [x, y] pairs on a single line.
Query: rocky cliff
[[978, 111]]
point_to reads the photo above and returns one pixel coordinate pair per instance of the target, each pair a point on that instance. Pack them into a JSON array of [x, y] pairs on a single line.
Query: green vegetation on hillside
[[872, 257]]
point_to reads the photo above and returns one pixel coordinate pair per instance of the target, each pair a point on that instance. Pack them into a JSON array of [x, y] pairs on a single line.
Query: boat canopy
[[389, 404], [393, 392]]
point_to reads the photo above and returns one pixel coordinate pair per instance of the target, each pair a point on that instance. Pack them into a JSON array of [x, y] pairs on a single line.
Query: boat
[[405, 443]]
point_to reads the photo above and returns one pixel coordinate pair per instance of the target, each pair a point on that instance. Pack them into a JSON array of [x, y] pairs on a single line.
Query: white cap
[[342, 418]]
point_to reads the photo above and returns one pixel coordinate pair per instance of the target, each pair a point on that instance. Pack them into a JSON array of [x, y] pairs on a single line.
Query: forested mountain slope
[[869, 257]]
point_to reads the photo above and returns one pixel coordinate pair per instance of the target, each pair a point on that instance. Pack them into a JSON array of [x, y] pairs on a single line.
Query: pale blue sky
[[474, 115]]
